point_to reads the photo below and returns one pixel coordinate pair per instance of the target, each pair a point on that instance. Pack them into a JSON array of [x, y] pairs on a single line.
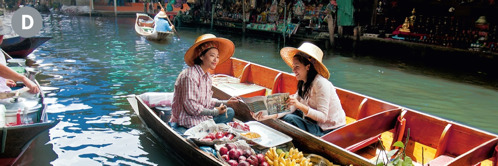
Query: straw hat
[[162, 14], [203, 42], [313, 52]]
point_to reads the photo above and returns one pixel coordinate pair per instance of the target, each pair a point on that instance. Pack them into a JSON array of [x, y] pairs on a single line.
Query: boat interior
[[373, 126]]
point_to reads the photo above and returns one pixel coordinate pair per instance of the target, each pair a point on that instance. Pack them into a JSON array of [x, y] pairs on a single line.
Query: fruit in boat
[[253, 160], [261, 157], [233, 163], [219, 135], [223, 150], [233, 154], [231, 146], [244, 163], [225, 157], [242, 158]]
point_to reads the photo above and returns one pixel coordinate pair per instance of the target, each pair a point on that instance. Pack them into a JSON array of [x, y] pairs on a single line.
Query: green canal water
[[95, 62]]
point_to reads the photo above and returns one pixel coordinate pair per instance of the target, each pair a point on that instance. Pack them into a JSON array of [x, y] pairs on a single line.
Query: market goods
[[294, 157], [251, 135]]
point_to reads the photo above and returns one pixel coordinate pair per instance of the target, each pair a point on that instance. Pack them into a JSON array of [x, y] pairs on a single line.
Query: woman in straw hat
[[8, 77], [161, 24], [315, 107], [193, 101]]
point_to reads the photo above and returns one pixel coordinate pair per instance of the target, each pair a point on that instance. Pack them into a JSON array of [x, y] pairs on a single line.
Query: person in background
[[170, 5], [161, 23], [193, 100], [8, 77], [331, 18], [315, 107]]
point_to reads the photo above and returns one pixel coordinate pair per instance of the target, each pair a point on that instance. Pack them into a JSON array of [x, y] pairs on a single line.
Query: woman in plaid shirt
[[193, 100]]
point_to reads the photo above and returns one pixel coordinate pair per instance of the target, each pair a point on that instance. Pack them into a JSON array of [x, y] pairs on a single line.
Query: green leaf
[[380, 164], [408, 161], [399, 144]]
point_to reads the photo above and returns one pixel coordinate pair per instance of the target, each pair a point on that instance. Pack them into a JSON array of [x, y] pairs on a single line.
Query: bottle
[[25, 119], [18, 117], [2, 115]]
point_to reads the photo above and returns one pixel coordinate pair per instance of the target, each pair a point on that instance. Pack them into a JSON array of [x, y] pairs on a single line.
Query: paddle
[[167, 17]]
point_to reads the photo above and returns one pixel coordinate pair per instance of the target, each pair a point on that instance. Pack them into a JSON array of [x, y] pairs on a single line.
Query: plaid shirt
[[192, 95]]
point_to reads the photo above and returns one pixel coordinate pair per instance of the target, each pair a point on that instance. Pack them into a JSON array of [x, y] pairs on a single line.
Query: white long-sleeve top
[[324, 104]]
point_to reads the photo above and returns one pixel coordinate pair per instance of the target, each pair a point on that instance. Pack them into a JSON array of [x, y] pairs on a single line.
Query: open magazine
[[272, 104]]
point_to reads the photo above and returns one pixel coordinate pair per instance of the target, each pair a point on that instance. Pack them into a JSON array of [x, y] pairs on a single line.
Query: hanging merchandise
[[299, 8], [253, 4], [273, 15]]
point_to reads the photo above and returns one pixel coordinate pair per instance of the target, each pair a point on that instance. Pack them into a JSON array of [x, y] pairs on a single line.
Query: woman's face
[[300, 70], [210, 59]]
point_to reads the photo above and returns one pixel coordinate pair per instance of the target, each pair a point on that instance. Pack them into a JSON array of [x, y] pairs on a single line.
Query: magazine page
[[276, 103], [256, 103]]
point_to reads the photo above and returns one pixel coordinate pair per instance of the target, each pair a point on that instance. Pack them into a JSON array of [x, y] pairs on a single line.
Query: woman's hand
[[31, 85], [234, 100], [11, 83], [292, 101], [221, 109], [261, 117]]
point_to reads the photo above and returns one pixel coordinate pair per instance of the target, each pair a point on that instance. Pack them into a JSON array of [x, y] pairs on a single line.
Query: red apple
[[233, 163], [244, 163], [261, 157], [230, 136], [210, 135], [223, 150], [264, 163], [233, 154], [247, 152], [219, 135], [242, 158], [254, 160], [225, 157], [240, 152], [231, 146]]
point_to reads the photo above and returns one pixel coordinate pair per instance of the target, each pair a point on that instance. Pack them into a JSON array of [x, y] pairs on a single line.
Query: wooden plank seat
[[474, 156], [359, 134]]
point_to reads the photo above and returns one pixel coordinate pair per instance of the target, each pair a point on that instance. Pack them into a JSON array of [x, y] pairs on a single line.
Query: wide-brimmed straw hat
[[162, 14], [203, 42], [313, 52]]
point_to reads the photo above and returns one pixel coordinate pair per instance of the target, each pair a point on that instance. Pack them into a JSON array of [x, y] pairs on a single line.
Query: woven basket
[[318, 160]]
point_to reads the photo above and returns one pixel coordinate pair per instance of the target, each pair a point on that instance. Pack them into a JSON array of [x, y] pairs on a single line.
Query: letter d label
[[24, 17], [27, 22]]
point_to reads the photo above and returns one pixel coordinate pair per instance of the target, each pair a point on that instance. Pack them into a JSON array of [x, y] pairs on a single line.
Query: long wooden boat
[[15, 139], [162, 130], [144, 26], [432, 140], [20, 47]]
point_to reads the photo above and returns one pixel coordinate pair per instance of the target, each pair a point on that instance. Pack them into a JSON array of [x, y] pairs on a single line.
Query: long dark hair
[[304, 92]]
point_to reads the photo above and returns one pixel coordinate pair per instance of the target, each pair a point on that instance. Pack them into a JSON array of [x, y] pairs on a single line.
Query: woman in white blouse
[[315, 107]]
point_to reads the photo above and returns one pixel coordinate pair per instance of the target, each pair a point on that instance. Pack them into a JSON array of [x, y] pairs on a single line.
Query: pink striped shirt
[[192, 95]]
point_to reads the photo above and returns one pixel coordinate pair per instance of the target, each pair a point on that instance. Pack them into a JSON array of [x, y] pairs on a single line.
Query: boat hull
[[19, 47], [144, 27], [164, 132], [18, 139]]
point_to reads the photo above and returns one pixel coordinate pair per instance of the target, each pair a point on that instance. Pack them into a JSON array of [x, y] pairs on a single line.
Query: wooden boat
[[162, 130], [17, 138], [144, 26], [432, 140], [20, 47]]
